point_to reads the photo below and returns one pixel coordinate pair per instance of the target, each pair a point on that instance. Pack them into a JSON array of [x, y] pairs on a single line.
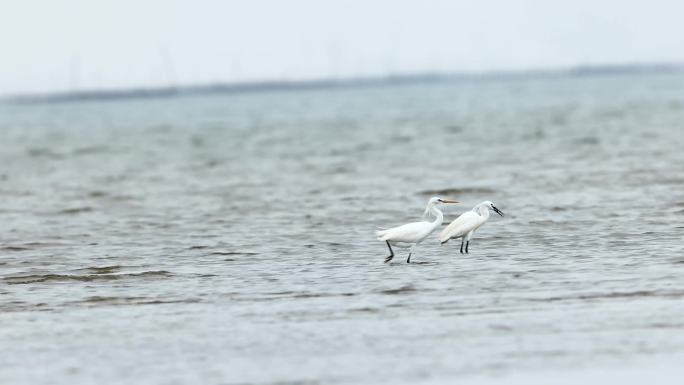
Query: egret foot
[[408, 260], [461, 246], [467, 243], [391, 253]]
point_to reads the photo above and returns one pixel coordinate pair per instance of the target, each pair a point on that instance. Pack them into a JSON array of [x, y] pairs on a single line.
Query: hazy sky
[[84, 44]]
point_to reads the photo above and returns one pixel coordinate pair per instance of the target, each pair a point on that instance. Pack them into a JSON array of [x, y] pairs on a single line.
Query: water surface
[[228, 239]]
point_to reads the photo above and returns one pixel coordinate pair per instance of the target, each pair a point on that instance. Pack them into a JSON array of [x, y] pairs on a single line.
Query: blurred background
[[83, 45], [189, 191]]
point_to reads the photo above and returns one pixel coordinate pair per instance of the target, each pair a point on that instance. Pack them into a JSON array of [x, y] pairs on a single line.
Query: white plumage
[[408, 233], [465, 225], [411, 234]]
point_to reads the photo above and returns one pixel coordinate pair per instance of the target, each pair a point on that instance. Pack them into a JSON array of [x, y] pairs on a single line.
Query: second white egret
[[465, 225], [411, 234]]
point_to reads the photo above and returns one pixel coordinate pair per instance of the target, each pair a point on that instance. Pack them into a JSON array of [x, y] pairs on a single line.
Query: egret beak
[[497, 211], [448, 201]]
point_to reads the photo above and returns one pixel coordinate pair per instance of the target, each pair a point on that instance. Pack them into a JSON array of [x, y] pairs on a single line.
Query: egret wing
[[410, 232], [460, 226]]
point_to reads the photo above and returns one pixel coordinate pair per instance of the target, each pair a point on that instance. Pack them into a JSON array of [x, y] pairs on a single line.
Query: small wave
[[43, 244], [364, 310], [458, 191], [14, 248], [37, 278], [126, 301], [400, 290], [97, 299], [667, 325], [545, 222], [101, 269], [401, 139], [321, 295], [29, 246], [40, 152], [76, 210], [18, 193], [231, 253], [425, 263], [589, 140], [628, 294], [274, 296], [89, 150], [453, 128]]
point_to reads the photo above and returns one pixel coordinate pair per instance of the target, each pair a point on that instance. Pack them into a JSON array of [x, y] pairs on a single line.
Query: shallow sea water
[[228, 239]]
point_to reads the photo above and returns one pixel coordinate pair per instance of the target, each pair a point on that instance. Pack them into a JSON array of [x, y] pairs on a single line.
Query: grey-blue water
[[229, 239]]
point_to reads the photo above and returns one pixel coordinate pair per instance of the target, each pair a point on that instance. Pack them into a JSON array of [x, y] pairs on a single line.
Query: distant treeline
[[294, 85]]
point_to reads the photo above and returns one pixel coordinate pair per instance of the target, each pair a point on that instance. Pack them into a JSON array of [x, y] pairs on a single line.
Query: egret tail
[[380, 234]]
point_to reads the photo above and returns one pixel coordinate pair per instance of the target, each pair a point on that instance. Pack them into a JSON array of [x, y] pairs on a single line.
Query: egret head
[[489, 205], [435, 200]]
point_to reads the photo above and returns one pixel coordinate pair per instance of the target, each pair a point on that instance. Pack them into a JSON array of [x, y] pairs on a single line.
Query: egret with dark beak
[[465, 225], [411, 234]]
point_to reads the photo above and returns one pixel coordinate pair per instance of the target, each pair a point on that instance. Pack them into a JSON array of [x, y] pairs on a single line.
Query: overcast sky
[[49, 45]]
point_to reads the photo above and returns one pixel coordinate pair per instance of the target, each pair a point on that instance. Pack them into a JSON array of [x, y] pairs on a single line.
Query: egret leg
[[387, 259], [461, 245], [467, 243], [408, 260]]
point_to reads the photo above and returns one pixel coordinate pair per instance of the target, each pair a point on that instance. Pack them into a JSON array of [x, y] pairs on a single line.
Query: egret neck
[[438, 214]]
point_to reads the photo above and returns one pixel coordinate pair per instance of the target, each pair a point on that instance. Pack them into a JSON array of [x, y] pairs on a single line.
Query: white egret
[[465, 225], [411, 234]]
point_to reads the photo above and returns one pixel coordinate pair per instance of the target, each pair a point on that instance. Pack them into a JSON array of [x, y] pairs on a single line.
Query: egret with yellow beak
[[411, 234]]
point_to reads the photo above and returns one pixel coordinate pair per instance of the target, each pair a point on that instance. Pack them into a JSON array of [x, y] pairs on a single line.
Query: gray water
[[228, 239]]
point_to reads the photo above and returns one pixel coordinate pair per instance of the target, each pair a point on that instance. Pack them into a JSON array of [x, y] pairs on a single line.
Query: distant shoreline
[[328, 83]]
